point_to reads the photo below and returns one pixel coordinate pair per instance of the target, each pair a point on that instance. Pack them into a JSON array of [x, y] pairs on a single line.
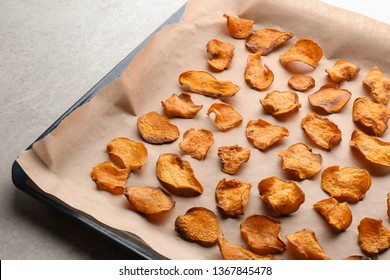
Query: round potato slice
[[239, 28], [221, 54], [197, 143], [109, 177], [180, 106], [342, 70], [337, 215], [126, 153], [257, 75], [301, 82], [330, 97], [280, 102], [266, 40], [374, 237], [232, 158], [157, 129], [263, 134], [226, 117]]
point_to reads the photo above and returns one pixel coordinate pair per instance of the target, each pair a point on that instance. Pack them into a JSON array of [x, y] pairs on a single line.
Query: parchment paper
[[60, 164]]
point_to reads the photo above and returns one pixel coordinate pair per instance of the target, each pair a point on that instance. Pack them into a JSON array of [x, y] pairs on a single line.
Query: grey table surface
[[51, 54]]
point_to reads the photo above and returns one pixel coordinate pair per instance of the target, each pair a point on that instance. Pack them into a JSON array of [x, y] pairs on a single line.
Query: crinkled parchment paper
[[60, 164]]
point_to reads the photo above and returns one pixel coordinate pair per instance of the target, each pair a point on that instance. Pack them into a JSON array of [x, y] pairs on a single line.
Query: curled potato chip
[[266, 40], [177, 175], [348, 184], [371, 114], [281, 196], [231, 252], [300, 160], [197, 143], [149, 200], [301, 82], [126, 153], [304, 50], [232, 158], [263, 134], [372, 148], [206, 84], [304, 245], [342, 70], [232, 196], [239, 28], [378, 84], [226, 117], [180, 106], [157, 129], [257, 75], [373, 236], [330, 97], [337, 215], [221, 55], [322, 131], [280, 102], [262, 234], [198, 225], [110, 178]]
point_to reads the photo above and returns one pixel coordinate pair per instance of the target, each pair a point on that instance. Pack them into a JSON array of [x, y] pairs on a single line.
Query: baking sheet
[[60, 163]]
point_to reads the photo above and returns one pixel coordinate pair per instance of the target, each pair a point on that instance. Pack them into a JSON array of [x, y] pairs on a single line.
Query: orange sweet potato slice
[[337, 215], [322, 131], [348, 184], [266, 40], [342, 70], [109, 177], [157, 129], [126, 153], [149, 200], [372, 148], [300, 161], [239, 28], [262, 234], [330, 97], [180, 106], [221, 55], [257, 75], [197, 143], [301, 82], [374, 237], [263, 134], [280, 102], [232, 158], [177, 175], [226, 117], [199, 225], [281, 196], [206, 84], [232, 196], [371, 114], [378, 84], [304, 245]]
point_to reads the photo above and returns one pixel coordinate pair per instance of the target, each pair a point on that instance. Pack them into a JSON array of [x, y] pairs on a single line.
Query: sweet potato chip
[[378, 84], [281, 196], [199, 225], [180, 106], [330, 97], [373, 236], [304, 245], [177, 175], [231, 252], [304, 50], [266, 40], [356, 258], [300, 160], [232, 196], [239, 28], [280, 102], [126, 153], [197, 143], [342, 70], [226, 117], [263, 134], [348, 184], [109, 177], [232, 158], [257, 75], [322, 131], [157, 129], [206, 84], [262, 234], [301, 82], [371, 114], [149, 200], [372, 148], [337, 215], [221, 55]]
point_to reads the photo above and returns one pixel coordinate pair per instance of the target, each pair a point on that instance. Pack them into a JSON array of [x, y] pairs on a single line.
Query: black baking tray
[[126, 240]]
